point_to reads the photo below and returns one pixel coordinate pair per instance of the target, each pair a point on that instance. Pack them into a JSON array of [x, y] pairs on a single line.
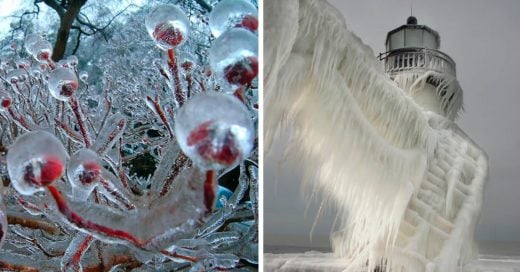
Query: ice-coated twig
[[253, 190], [80, 118], [178, 93], [110, 133], [77, 248], [157, 109]]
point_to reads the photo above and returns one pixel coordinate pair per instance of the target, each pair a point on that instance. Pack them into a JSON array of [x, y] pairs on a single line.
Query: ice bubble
[[30, 42], [35, 160], [42, 51], [168, 26], [72, 60], [234, 57], [84, 172], [215, 130], [83, 75], [62, 83], [233, 13]]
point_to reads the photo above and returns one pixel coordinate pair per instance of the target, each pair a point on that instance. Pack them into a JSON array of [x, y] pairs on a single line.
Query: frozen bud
[[35, 160], [62, 83], [168, 26], [72, 60], [84, 172], [83, 75], [232, 13], [23, 63], [5, 100], [16, 75], [187, 61], [3, 222], [233, 56], [215, 130]]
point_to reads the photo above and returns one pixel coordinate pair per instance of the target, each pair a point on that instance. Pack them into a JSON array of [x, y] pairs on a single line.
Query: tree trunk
[[66, 21]]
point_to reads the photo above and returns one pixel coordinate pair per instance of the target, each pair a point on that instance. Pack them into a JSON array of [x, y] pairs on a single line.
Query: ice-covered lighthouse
[[413, 51], [379, 143]]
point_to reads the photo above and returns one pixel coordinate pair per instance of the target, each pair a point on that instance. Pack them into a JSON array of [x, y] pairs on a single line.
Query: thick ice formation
[[407, 182], [216, 139]]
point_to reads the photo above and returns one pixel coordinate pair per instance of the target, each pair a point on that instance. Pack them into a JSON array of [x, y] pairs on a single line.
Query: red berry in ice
[[249, 22], [6, 102], [242, 72], [91, 172], [52, 169], [168, 34], [223, 152], [67, 89], [43, 171]]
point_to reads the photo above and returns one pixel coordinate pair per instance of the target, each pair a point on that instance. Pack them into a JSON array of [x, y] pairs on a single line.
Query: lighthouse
[[414, 61]]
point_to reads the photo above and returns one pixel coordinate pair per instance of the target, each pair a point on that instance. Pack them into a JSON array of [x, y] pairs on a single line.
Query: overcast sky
[[483, 38]]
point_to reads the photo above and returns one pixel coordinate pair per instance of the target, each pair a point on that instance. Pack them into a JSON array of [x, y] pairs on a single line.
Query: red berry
[[6, 102], [168, 34], [187, 65], [68, 88], [225, 153], [91, 172], [242, 72], [199, 133], [43, 55], [51, 169], [249, 22]]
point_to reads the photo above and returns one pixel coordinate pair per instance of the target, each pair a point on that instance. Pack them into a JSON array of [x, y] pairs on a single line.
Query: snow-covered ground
[[493, 257]]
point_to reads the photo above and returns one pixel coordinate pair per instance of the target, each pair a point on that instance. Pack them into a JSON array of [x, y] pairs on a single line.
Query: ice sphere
[[83, 76], [72, 60], [214, 130], [34, 160], [62, 83], [232, 13], [233, 56], [5, 100], [3, 222], [168, 26], [84, 172], [30, 42], [42, 51]]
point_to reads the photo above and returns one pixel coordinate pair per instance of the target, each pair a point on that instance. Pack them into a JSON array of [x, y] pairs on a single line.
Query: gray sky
[[483, 38]]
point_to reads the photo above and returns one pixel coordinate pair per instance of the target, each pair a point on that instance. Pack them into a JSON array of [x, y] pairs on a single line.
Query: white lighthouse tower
[[413, 60]]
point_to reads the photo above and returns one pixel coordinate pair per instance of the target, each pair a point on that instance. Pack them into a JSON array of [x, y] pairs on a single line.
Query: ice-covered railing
[[409, 59], [71, 200]]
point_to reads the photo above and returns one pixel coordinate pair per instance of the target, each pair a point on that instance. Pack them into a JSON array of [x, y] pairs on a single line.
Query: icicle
[[111, 132]]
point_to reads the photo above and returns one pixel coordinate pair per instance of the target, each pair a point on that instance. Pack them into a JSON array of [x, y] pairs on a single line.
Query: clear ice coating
[[16, 75], [232, 13], [38, 47], [3, 221], [62, 83], [234, 58], [215, 130], [168, 26], [84, 173], [35, 160]]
